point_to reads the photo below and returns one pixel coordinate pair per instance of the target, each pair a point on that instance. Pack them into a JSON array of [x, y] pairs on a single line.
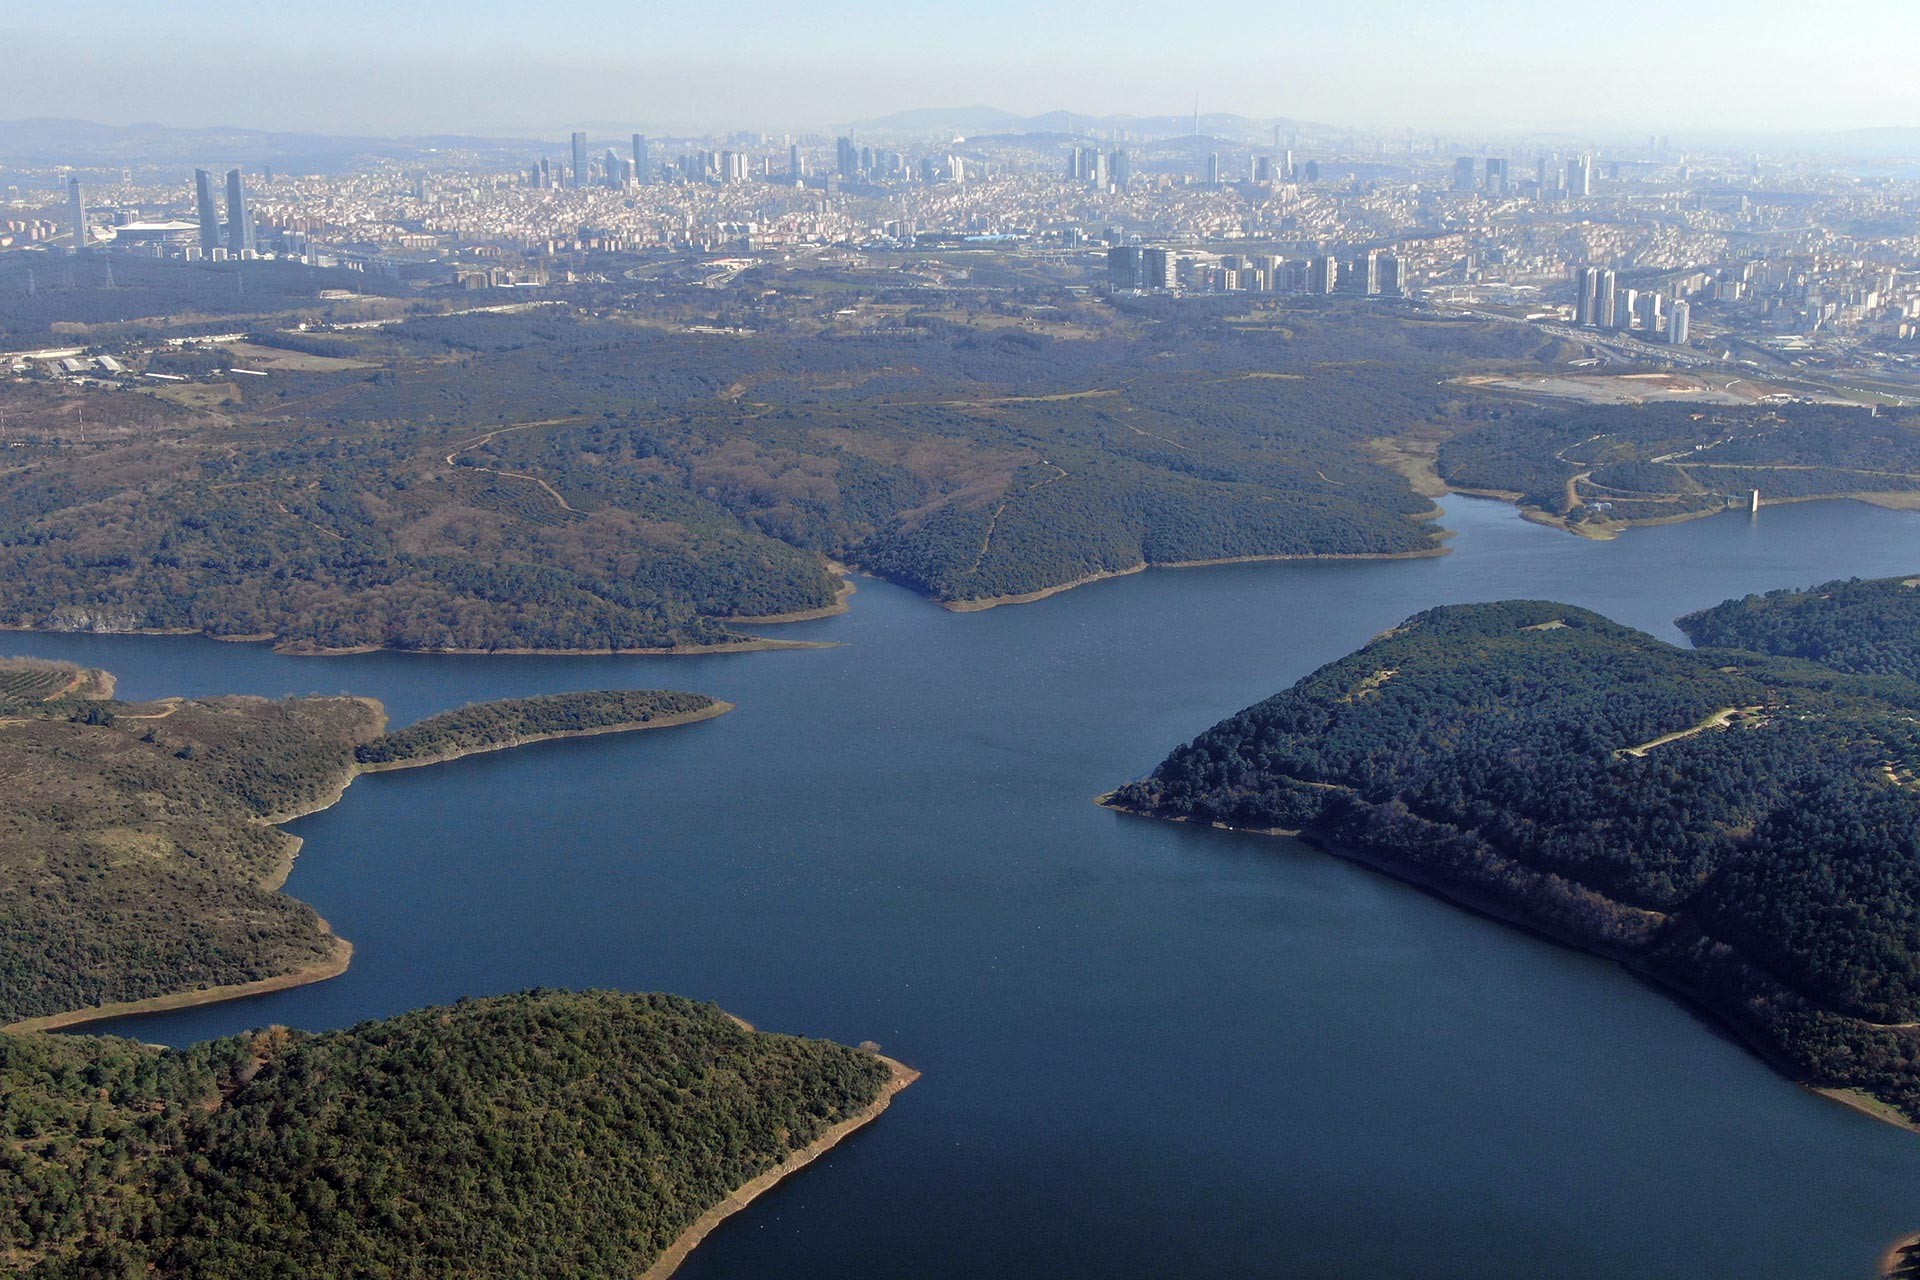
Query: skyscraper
[[642, 162], [1393, 281], [1213, 168], [1580, 176], [847, 157], [239, 221], [209, 211], [579, 160], [1160, 268], [77, 215], [1626, 304], [796, 167], [1677, 323], [1586, 284], [1463, 173], [1604, 286], [1120, 166], [1323, 274], [1496, 176]]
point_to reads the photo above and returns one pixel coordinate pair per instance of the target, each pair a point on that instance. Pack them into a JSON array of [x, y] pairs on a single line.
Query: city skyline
[[1480, 65]]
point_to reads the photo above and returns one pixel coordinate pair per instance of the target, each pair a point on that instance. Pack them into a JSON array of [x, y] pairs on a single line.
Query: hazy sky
[[415, 66]]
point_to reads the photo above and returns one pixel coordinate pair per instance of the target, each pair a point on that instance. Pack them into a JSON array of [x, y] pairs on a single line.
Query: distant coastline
[[981, 603]]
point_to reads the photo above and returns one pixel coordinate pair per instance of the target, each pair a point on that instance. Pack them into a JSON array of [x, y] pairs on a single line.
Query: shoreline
[[841, 595], [275, 880], [1669, 984], [1608, 530], [1891, 1260], [299, 649], [752, 644], [718, 708], [899, 1077], [983, 603], [318, 971]]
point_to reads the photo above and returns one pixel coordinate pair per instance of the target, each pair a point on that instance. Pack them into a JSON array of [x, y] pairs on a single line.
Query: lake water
[[1149, 1049]]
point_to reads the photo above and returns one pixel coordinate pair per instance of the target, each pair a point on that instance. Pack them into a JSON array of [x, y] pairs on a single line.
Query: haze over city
[[1721, 66]]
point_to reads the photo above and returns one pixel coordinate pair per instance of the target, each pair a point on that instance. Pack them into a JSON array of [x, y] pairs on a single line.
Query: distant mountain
[[83, 143], [955, 120]]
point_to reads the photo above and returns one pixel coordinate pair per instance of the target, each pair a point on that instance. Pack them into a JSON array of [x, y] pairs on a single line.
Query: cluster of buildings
[[1600, 302], [1649, 242], [1162, 268]]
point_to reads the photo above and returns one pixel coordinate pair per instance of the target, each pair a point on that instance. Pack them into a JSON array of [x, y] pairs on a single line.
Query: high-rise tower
[[579, 160], [1677, 323], [209, 211], [1604, 288], [77, 214], [239, 221]]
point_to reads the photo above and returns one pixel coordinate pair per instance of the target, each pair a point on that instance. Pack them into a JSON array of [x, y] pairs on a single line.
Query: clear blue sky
[[409, 66]]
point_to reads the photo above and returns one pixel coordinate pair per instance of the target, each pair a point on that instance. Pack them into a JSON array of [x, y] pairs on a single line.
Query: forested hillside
[[1867, 627], [1743, 827], [135, 859], [543, 1134], [547, 481]]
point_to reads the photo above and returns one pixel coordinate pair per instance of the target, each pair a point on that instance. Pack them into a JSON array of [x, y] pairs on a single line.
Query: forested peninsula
[[1742, 827], [140, 860], [590, 1135]]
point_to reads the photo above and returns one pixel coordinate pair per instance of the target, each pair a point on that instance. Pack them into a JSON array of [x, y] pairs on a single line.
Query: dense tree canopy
[[1745, 826], [542, 1134]]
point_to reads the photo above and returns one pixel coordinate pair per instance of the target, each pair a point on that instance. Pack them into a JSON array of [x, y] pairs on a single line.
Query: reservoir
[[1149, 1049]]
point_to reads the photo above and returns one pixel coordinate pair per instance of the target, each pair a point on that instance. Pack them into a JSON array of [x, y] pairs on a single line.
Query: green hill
[[542, 1134], [1744, 828], [1871, 627]]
